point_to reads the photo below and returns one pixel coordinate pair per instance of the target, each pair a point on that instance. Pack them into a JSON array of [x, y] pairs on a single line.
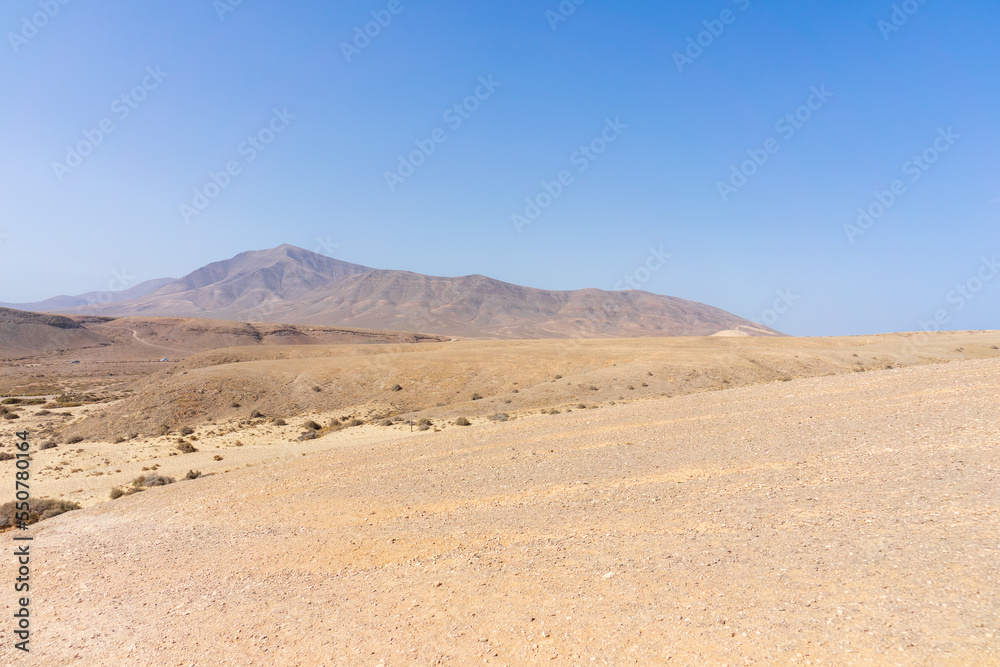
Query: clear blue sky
[[886, 96]]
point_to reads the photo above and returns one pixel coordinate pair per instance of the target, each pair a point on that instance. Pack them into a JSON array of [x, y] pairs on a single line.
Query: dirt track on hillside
[[836, 520]]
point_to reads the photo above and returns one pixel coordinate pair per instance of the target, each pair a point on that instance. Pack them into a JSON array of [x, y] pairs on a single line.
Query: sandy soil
[[850, 519]]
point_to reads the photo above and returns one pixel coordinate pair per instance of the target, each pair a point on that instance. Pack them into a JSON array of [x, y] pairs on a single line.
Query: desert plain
[[721, 500]]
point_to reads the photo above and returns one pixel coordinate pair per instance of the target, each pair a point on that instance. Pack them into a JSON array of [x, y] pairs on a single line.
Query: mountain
[[62, 302], [292, 285]]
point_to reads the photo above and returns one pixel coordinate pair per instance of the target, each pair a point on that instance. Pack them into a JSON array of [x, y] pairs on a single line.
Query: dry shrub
[[462, 421], [40, 509]]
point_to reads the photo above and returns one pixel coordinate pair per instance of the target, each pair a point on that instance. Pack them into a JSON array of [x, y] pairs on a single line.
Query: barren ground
[[843, 519]]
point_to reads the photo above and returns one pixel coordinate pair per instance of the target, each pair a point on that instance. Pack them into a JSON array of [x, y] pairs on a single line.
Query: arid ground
[[700, 501]]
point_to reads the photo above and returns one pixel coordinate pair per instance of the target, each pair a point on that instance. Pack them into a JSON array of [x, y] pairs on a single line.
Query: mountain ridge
[[295, 286]]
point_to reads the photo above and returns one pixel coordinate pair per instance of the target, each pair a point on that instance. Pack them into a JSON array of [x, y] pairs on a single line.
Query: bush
[[395, 387], [47, 444], [280, 422], [559, 377], [462, 421], [477, 396], [424, 427], [499, 417], [161, 430], [12, 415], [186, 448], [424, 421], [353, 422], [186, 430], [75, 439], [256, 414], [42, 413], [385, 422], [151, 480], [7, 456], [317, 389], [234, 404], [116, 493], [10, 401], [312, 425], [192, 474], [40, 509]]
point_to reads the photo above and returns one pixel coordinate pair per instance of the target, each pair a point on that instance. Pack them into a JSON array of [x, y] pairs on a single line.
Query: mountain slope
[[292, 285], [481, 307]]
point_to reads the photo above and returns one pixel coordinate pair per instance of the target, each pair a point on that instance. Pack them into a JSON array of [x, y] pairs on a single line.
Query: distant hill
[[289, 284], [61, 303], [41, 335], [25, 334]]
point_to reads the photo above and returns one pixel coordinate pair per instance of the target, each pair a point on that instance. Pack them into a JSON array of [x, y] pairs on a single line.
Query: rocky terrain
[[848, 519]]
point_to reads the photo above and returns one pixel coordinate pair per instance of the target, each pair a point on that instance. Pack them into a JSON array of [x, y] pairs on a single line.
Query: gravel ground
[[846, 520]]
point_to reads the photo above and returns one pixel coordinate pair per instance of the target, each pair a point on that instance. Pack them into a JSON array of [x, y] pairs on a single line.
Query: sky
[[824, 168]]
